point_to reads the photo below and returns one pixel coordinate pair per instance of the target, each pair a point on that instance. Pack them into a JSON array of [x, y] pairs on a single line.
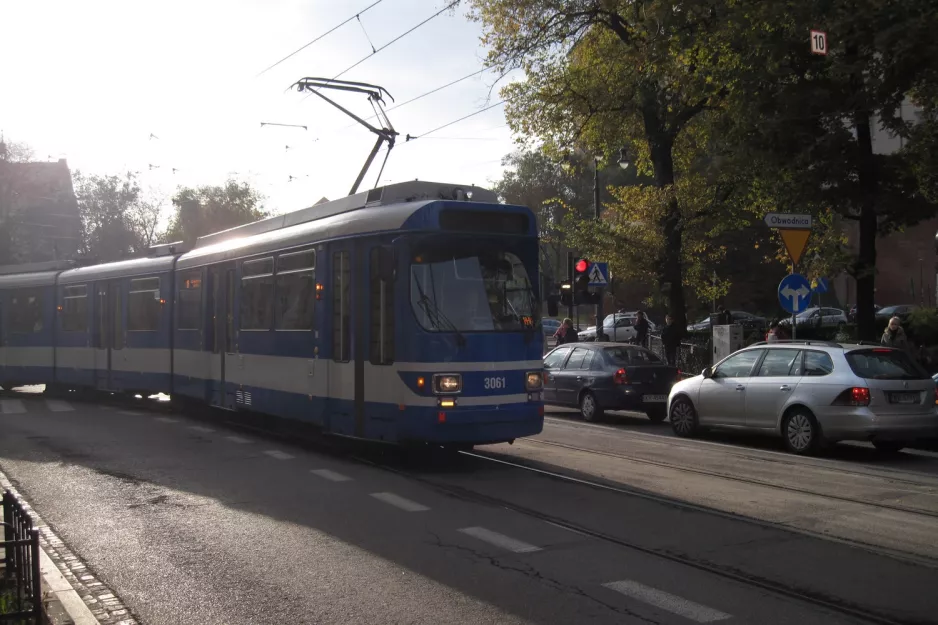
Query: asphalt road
[[193, 522]]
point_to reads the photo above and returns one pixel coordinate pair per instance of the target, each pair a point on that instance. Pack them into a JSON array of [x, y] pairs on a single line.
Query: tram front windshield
[[471, 290]]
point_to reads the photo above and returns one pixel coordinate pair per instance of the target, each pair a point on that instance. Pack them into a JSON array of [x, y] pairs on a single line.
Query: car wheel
[[888, 447], [657, 414], [801, 432], [683, 417], [589, 407]]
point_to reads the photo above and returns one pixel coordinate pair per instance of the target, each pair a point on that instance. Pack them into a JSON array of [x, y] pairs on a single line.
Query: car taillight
[[621, 377], [936, 395], [856, 396]]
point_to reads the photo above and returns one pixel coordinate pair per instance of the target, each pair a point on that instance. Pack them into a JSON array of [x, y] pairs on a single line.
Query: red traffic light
[[582, 265]]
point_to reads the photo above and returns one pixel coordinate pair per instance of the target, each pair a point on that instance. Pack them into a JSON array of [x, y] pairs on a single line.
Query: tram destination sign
[[788, 221]]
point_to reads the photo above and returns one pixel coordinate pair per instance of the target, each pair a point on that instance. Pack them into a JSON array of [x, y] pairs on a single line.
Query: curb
[[58, 595]]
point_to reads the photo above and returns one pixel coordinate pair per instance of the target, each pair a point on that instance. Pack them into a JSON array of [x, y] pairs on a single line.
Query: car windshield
[[889, 310], [885, 364], [624, 356], [807, 313], [471, 289]]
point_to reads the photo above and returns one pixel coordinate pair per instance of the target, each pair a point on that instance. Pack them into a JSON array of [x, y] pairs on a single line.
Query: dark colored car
[[608, 376], [852, 314], [883, 315]]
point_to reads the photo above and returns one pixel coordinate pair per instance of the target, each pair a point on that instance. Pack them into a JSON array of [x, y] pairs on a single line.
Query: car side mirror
[[707, 373]]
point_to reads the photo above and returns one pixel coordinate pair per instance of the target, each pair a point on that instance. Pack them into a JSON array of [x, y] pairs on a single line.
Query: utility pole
[[600, 335], [570, 282]]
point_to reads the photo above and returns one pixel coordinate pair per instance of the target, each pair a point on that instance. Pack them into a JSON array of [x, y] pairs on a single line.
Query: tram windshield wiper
[[439, 320]]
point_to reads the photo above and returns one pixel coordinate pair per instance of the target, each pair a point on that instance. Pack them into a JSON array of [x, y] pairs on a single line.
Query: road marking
[[237, 439], [12, 406], [167, 420], [279, 455], [130, 412], [667, 601], [399, 502], [200, 428], [332, 476], [58, 406], [499, 540]]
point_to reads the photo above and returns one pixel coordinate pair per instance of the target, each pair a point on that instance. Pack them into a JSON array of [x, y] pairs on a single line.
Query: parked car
[[740, 317], [883, 315], [810, 392], [608, 376], [618, 328], [550, 327], [852, 315], [818, 317]]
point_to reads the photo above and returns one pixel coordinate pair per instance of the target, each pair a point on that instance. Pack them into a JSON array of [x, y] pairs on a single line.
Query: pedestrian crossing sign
[[599, 274]]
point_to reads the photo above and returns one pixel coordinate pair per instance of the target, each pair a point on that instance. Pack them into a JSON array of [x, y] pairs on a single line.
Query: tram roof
[[119, 269], [20, 280]]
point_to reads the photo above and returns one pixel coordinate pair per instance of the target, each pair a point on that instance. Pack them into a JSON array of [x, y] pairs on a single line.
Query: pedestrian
[[671, 339], [772, 336], [566, 333], [641, 329], [894, 336]]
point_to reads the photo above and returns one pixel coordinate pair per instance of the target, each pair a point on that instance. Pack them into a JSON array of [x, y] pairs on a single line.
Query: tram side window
[[75, 308], [382, 307], [144, 305], [257, 294], [189, 300], [26, 311], [341, 302], [296, 290]]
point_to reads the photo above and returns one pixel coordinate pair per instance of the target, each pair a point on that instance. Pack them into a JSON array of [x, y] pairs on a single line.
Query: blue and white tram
[[404, 314]]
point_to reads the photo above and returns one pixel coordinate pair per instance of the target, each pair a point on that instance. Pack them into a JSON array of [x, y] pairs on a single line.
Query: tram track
[[376, 456], [757, 482], [861, 614]]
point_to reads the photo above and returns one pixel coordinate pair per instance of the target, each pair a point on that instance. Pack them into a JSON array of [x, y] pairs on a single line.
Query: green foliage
[[923, 325], [116, 221], [208, 209]]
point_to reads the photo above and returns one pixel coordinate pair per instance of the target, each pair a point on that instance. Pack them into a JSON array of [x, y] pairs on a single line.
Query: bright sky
[[90, 81]]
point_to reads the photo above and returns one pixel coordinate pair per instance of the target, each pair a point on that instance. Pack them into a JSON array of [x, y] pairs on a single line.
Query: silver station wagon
[[812, 392]]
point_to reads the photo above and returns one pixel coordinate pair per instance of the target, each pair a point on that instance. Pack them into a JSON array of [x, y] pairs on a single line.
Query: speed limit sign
[[818, 42]]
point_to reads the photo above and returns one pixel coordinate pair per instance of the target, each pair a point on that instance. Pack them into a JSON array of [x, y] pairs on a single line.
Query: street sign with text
[[819, 42], [788, 221], [794, 293]]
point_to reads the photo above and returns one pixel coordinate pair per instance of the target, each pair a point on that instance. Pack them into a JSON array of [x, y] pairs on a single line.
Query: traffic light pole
[[600, 335], [572, 292]]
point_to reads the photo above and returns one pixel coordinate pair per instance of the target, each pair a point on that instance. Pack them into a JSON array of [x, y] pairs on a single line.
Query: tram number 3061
[[493, 383]]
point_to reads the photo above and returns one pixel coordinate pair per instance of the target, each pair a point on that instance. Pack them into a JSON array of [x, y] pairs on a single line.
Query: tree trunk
[[670, 271]]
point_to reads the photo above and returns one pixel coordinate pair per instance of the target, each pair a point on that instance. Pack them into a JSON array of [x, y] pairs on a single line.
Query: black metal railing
[[691, 357], [20, 586]]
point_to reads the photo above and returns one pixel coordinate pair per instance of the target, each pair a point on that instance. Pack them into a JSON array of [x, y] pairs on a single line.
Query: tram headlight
[[447, 383], [533, 381]]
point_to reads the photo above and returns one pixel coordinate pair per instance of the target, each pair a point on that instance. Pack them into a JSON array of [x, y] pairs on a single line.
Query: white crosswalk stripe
[[11, 406], [279, 455], [667, 602], [130, 412], [237, 439], [58, 406], [399, 502], [199, 428], [332, 476], [167, 420], [499, 540]]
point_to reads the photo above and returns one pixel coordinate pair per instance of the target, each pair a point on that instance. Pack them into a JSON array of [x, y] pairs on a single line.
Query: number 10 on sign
[[818, 42]]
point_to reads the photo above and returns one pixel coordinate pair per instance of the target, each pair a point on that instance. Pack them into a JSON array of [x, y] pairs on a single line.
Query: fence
[[692, 358], [20, 586]]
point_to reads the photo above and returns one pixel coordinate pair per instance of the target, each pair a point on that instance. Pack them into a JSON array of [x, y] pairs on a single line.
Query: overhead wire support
[[328, 32], [385, 133]]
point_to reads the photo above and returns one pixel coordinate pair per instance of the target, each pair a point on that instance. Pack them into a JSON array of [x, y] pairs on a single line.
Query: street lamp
[[623, 159]]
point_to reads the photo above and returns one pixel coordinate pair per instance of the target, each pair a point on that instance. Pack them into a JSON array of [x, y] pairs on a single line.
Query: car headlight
[[533, 381], [447, 383]]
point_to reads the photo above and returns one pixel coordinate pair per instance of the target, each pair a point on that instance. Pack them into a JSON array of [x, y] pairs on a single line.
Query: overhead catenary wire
[[392, 42], [328, 32], [455, 121]]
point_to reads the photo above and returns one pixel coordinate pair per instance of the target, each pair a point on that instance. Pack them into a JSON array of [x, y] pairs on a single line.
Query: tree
[[807, 130], [113, 217], [208, 209], [608, 74]]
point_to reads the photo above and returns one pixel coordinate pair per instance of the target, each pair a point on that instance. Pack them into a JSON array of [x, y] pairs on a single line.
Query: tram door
[[108, 333], [221, 307], [347, 369]]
